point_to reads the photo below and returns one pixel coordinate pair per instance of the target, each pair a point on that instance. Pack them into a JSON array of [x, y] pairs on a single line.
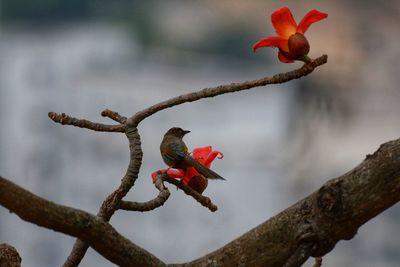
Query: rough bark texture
[[312, 226], [113, 201], [98, 234], [9, 256], [332, 213]]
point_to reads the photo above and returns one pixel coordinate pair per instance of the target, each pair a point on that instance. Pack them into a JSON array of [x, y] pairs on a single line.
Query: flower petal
[[275, 41], [154, 176], [211, 157], [284, 59], [283, 22], [175, 173], [201, 153], [311, 17], [189, 174]]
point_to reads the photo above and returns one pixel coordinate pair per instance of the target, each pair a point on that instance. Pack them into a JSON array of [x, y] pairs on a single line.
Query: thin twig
[[151, 204], [227, 88], [100, 127], [148, 205], [203, 200], [113, 115]]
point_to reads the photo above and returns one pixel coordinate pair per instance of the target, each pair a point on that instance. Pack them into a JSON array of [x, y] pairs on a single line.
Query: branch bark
[[332, 213], [100, 235], [129, 126], [112, 202], [9, 256], [64, 119], [312, 226], [227, 88]]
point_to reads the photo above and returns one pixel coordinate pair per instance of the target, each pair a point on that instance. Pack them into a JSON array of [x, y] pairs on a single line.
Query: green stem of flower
[[305, 59]]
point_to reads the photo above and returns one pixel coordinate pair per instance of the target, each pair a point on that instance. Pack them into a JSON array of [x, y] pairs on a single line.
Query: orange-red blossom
[[189, 176], [291, 41]]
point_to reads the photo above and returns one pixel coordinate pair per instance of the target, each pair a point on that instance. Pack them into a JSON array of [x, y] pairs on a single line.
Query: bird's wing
[[206, 172], [179, 150]]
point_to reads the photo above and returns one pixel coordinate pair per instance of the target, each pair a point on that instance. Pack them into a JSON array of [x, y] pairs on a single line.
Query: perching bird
[[175, 154]]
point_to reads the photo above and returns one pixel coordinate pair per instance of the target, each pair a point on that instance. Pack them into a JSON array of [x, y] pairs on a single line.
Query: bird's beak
[[186, 132]]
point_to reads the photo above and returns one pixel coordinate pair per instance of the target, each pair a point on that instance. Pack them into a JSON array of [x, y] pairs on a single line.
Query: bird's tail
[[206, 172]]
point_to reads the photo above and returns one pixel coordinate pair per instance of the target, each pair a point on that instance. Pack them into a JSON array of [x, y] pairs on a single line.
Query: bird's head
[[176, 131]]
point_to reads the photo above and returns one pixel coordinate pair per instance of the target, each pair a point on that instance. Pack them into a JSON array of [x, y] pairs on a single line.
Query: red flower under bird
[[291, 41], [189, 176]]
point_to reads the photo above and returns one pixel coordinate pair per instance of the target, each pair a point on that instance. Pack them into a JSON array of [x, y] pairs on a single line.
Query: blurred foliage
[[43, 10], [137, 16]]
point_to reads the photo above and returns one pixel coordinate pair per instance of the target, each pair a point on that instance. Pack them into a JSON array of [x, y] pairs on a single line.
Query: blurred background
[[281, 142]]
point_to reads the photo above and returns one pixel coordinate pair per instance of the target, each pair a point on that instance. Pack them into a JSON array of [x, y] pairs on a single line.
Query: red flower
[[290, 40], [205, 155]]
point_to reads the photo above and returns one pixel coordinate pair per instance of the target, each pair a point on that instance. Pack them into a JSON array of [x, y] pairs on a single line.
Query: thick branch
[[98, 234], [332, 213], [228, 88]]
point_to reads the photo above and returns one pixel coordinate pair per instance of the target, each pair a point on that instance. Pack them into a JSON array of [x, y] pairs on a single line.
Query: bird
[[175, 154]]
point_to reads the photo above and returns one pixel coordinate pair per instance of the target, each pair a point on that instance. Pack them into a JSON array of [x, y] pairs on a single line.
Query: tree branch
[[227, 88], [113, 115], [112, 202], [100, 235], [203, 200], [148, 205], [332, 213], [64, 119], [130, 128], [9, 256]]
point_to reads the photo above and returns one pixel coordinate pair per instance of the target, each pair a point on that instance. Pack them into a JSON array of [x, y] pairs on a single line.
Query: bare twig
[[148, 205], [151, 204], [113, 115], [100, 127], [227, 88], [203, 200]]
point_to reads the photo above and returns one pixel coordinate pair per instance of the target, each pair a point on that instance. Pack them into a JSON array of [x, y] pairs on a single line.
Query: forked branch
[[129, 126], [312, 226], [228, 88]]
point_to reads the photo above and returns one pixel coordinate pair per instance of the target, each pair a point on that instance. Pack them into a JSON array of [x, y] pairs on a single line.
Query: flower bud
[[298, 46]]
